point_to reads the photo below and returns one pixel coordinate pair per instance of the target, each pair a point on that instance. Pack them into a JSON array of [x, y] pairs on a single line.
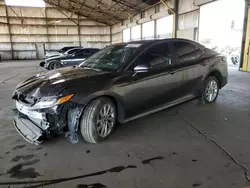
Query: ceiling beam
[[80, 13], [126, 5], [95, 9], [105, 12]]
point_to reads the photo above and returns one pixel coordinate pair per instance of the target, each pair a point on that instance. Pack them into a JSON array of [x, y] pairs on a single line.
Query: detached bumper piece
[[28, 130]]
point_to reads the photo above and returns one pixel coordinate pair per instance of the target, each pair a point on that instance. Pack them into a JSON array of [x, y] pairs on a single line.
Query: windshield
[[111, 57]]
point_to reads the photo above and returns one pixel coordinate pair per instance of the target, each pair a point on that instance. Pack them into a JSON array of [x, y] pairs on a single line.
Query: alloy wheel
[[211, 90], [56, 66], [105, 120]]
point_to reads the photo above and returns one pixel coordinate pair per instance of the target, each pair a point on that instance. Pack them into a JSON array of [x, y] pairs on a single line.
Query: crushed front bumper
[[28, 130], [30, 124], [37, 125]]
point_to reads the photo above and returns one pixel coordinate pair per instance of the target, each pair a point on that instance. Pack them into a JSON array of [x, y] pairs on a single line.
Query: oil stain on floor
[[18, 172], [18, 147], [23, 157]]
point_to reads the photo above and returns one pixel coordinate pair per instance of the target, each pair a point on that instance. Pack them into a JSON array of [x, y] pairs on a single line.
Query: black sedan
[[61, 51], [69, 59], [120, 83]]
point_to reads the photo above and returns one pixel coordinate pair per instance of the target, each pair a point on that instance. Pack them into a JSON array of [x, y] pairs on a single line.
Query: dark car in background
[[71, 51], [59, 52], [68, 52], [66, 48], [71, 58], [120, 83]]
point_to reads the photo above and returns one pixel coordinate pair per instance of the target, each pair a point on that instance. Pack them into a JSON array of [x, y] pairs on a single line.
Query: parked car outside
[[69, 59], [120, 83]]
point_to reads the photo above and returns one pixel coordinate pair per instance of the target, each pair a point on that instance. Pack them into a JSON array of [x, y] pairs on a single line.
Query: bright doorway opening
[[221, 27]]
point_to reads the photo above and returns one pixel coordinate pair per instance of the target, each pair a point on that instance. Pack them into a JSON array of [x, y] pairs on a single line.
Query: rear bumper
[[223, 81], [28, 130]]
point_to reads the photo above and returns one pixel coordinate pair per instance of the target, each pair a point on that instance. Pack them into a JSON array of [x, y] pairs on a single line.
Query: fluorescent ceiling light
[[25, 3]]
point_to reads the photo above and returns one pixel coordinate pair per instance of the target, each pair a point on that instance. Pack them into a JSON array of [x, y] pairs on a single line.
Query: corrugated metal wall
[[53, 28], [148, 16], [188, 19]]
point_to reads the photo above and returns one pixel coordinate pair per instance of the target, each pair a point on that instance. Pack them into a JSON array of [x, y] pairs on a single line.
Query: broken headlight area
[[47, 118]]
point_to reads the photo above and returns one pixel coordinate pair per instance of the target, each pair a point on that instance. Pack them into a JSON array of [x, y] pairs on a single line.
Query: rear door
[[191, 68], [153, 89], [87, 53]]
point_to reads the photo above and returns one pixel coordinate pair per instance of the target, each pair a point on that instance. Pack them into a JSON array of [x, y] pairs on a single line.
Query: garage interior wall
[[187, 19], [25, 29], [152, 14]]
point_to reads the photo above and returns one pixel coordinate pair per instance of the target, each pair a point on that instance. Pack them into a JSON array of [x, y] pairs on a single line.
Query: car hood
[[57, 82], [61, 56]]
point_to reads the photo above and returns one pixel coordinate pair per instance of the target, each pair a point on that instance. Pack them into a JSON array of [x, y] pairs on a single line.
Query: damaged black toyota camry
[[120, 83]]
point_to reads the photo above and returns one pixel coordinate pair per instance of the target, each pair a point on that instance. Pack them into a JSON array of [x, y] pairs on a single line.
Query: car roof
[[77, 48], [91, 48], [149, 42]]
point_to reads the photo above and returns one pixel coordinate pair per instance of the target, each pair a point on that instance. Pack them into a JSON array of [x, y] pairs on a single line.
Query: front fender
[[85, 100]]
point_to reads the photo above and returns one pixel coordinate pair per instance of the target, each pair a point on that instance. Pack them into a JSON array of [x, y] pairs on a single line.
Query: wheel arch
[[216, 73], [53, 61], [112, 96]]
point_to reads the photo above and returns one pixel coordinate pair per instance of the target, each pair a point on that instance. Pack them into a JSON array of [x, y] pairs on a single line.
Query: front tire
[[55, 65], [98, 120], [210, 90]]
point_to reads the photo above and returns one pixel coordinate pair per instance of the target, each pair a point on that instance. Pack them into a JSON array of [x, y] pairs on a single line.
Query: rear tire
[[54, 65], [92, 126], [210, 90]]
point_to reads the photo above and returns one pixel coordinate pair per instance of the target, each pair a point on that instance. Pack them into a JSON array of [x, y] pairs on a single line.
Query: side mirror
[[141, 68]]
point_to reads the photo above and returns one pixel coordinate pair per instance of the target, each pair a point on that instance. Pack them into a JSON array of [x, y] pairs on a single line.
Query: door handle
[[203, 64], [173, 72]]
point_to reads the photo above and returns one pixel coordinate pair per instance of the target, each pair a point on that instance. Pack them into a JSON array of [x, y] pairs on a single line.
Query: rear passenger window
[[157, 56], [186, 52]]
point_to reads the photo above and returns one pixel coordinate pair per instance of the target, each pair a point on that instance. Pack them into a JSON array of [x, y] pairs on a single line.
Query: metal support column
[[247, 43], [174, 17], [79, 30], [244, 61], [9, 30], [155, 29], [47, 29], [110, 31]]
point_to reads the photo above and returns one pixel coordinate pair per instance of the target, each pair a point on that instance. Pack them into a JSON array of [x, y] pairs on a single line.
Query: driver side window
[[155, 57]]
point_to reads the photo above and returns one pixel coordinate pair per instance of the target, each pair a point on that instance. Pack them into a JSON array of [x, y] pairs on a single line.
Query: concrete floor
[[190, 145]]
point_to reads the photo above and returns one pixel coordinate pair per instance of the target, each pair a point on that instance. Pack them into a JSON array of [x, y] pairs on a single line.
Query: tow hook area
[[73, 117]]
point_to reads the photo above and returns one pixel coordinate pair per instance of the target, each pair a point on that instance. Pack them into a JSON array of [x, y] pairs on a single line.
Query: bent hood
[[53, 83]]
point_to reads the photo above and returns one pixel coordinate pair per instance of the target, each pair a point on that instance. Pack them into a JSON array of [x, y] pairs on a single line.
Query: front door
[[155, 87]]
